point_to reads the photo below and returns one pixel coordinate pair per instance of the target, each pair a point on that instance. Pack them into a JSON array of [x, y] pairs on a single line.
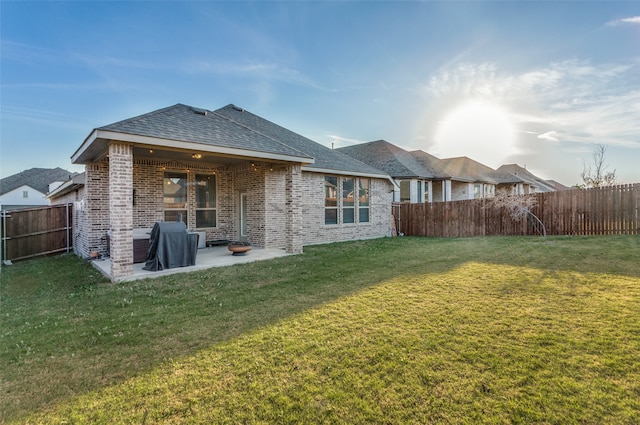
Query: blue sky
[[540, 84]]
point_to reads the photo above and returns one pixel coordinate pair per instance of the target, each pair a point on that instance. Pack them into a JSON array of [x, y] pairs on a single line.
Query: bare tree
[[518, 206], [597, 174]]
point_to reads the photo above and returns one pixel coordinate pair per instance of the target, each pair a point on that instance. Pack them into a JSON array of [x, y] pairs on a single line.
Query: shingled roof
[[467, 169], [395, 161], [230, 130], [190, 124], [528, 177], [325, 158], [36, 178]]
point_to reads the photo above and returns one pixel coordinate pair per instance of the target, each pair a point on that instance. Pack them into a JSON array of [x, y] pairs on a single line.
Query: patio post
[[293, 199], [121, 209]]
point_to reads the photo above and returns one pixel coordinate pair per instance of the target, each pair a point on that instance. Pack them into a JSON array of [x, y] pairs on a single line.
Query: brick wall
[[76, 198], [250, 179], [275, 208], [93, 211], [149, 203], [314, 230], [273, 194]]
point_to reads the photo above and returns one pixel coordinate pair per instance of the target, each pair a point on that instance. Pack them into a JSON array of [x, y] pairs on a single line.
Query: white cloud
[[576, 101], [549, 135], [623, 21], [255, 69]]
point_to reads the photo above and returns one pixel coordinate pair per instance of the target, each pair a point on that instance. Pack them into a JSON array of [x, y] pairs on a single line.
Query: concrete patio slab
[[216, 256]]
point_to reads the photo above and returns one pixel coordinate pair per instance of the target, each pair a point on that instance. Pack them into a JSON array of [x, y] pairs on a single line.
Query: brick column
[[121, 209], [293, 200]]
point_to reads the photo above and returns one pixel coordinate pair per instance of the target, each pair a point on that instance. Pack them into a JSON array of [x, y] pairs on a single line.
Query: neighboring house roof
[[432, 163], [505, 177], [540, 184], [325, 158], [466, 169], [556, 185], [36, 178], [394, 160]]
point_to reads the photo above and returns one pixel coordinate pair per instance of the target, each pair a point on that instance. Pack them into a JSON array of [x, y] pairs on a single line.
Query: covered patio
[[214, 256], [201, 167]]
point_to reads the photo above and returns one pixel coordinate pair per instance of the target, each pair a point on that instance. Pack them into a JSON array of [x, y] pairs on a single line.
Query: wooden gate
[[36, 231]]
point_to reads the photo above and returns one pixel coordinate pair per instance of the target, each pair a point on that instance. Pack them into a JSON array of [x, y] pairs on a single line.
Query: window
[[348, 202], [330, 200], [426, 192], [477, 191], [25, 193], [346, 209], [419, 190], [205, 200], [363, 200], [175, 196], [405, 191]]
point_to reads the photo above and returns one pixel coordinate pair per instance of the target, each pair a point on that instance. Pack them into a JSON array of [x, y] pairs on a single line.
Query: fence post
[[1, 237], [67, 225]]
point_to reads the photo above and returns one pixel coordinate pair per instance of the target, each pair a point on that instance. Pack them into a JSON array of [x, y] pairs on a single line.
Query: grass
[[402, 330]]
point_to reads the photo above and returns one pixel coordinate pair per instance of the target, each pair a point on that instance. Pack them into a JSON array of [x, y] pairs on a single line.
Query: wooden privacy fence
[[36, 231], [598, 211]]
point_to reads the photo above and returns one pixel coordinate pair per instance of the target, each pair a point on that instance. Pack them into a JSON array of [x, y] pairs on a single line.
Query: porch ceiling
[[184, 156]]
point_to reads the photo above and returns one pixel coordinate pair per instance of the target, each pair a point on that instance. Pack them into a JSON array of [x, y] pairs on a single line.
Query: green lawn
[[396, 330]]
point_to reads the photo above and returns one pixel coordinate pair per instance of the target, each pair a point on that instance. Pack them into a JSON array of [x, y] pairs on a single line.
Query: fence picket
[[599, 211], [36, 231]]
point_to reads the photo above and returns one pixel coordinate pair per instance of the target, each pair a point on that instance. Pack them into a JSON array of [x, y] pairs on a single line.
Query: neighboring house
[[228, 173], [29, 188], [531, 183], [69, 191], [416, 174], [473, 179], [511, 183], [422, 177]]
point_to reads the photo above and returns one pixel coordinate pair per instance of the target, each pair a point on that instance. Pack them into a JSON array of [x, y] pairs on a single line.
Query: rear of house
[[227, 174]]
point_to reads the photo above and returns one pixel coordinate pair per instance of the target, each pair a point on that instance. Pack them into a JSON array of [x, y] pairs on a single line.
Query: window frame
[[405, 190], [351, 205], [338, 210], [185, 209], [197, 177], [327, 207], [368, 205]]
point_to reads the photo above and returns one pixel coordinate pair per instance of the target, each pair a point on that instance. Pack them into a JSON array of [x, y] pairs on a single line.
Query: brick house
[[228, 173], [422, 177], [419, 176]]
